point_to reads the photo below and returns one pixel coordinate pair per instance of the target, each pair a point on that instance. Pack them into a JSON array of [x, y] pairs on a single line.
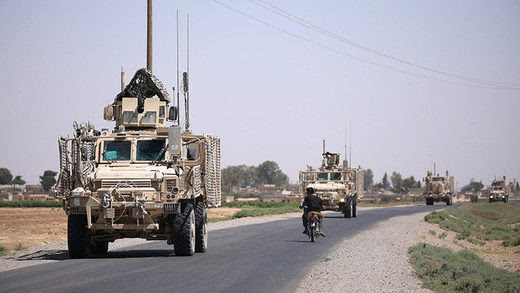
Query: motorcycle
[[313, 224]]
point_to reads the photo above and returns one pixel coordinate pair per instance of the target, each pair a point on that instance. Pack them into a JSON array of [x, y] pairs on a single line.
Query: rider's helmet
[[309, 189]]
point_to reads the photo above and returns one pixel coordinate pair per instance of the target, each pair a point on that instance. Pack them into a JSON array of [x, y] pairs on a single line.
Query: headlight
[[342, 200], [490, 196]]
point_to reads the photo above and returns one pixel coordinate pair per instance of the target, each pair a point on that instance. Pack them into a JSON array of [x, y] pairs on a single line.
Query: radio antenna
[[178, 88], [186, 81], [350, 147]]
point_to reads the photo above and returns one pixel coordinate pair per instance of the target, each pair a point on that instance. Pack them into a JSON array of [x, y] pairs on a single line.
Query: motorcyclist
[[311, 203]]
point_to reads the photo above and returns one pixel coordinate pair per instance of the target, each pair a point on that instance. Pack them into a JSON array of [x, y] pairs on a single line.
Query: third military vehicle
[[339, 187], [439, 188], [499, 190]]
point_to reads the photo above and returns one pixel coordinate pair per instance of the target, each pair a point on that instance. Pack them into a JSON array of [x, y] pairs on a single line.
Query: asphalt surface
[[268, 257]]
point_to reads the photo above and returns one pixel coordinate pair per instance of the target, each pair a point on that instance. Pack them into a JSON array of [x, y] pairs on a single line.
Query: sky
[[273, 95]]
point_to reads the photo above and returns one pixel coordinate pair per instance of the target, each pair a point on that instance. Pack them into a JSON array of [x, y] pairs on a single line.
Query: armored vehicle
[[439, 188], [144, 179], [499, 190], [339, 187]]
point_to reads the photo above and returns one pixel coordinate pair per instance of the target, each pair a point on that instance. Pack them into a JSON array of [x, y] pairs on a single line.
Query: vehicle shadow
[[136, 253], [44, 255]]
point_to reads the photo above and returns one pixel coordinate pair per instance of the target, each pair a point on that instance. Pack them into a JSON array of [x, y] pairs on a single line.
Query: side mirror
[[108, 113], [173, 113]]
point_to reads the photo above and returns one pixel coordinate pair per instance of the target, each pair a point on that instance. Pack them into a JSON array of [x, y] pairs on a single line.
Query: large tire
[[429, 201], [201, 228], [347, 208], [184, 227], [77, 236], [99, 247], [354, 206]]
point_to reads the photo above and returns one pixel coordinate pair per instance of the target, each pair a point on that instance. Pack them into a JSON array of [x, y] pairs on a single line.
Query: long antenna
[[350, 147], [123, 79], [149, 37], [178, 88], [187, 72]]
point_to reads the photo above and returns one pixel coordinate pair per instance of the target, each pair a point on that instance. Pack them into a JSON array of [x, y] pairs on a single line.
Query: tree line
[[394, 183], [47, 180], [239, 176]]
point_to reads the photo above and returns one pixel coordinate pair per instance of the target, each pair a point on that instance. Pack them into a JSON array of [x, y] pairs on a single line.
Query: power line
[[323, 31], [355, 57]]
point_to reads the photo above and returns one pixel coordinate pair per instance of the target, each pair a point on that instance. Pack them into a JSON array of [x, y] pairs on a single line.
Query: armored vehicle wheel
[[100, 247], [429, 202], [184, 227], [490, 200], [201, 228], [354, 207], [347, 208], [77, 238]]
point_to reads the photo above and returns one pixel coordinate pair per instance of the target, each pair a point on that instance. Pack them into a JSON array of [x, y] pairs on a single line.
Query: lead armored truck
[[144, 179], [339, 187]]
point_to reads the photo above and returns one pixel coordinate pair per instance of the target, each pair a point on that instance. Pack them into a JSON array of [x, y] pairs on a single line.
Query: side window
[[323, 176], [192, 154]]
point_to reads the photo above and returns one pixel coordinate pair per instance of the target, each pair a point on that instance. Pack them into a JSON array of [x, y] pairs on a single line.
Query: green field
[[481, 221], [31, 204], [443, 270], [255, 209]]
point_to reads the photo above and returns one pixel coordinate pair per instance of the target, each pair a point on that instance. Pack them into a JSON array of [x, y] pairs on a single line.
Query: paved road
[[269, 257]]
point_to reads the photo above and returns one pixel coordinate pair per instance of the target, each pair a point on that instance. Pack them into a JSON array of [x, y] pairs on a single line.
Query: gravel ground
[[375, 260]]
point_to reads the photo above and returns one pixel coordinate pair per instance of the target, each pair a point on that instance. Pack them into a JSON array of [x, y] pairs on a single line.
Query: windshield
[[116, 150], [438, 179], [323, 176], [149, 150], [335, 176], [308, 177]]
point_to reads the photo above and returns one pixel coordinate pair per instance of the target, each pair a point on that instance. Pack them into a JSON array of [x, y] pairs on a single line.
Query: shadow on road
[[136, 253], [45, 255]]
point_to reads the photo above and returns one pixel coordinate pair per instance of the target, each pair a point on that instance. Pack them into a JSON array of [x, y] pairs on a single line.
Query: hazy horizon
[[270, 95]]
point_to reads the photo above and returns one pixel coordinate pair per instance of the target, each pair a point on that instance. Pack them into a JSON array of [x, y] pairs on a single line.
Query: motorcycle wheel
[[311, 233]]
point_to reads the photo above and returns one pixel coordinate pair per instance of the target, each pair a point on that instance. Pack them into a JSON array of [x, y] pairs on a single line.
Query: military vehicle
[[339, 187], [439, 188], [499, 190], [144, 179]]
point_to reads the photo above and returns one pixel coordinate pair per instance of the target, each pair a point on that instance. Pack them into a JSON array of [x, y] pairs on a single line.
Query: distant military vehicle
[[499, 190], [339, 187], [143, 179], [439, 188]]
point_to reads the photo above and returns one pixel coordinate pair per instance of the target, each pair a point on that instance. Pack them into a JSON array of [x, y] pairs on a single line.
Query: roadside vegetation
[[255, 209], [30, 204], [3, 250], [480, 222], [443, 270]]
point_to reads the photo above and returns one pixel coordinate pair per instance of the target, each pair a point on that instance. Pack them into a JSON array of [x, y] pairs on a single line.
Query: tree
[[369, 179], [18, 181], [48, 179], [419, 184], [5, 176], [397, 180], [385, 182], [408, 183], [269, 173], [473, 186]]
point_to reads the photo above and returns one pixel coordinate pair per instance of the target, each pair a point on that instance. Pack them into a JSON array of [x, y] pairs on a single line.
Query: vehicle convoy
[[439, 188], [143, 179], [499, 190], [340, 187]]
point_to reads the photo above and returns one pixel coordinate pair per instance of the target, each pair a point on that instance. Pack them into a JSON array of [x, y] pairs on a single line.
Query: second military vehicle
[[499, 190], [340, 187], [439, 188]]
